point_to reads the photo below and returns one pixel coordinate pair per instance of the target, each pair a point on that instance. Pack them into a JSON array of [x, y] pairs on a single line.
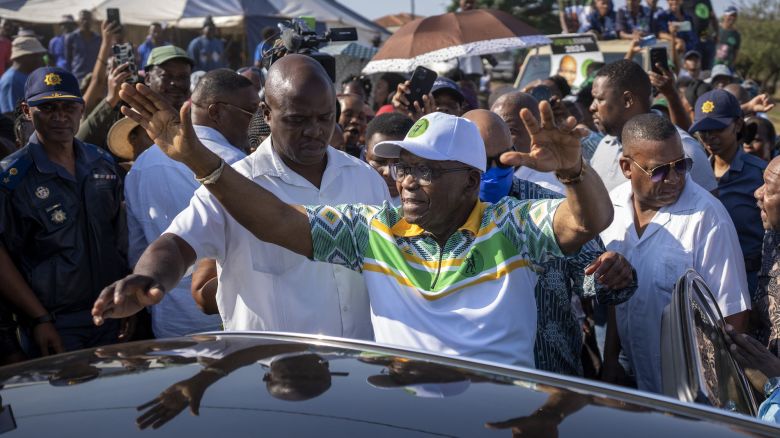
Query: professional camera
[[297, 36]]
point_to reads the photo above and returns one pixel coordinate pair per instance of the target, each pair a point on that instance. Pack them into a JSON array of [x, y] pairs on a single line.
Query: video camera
[[297, 36]]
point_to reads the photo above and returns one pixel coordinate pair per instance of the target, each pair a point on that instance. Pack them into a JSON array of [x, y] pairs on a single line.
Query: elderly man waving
[[444, 272]]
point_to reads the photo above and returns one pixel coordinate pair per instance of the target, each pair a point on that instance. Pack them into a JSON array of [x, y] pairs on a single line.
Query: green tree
[[541, 14], [759, 53]]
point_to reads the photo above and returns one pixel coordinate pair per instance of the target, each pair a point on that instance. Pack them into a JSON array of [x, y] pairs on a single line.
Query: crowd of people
[[542, 233]]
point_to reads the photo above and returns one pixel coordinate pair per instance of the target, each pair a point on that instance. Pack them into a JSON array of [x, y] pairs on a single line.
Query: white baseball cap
[[440, 137]]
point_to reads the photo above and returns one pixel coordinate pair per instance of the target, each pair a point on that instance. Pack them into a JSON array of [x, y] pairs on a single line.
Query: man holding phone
[[445, 96]]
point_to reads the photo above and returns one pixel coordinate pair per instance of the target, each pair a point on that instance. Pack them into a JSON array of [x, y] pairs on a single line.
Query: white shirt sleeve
[[720, 263], [702, 171], [202, 225]]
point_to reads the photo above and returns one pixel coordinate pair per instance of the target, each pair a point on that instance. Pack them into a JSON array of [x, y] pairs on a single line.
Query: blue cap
[[447, 84], [690, 53], [715, 109], [49, 84], [730, 10]]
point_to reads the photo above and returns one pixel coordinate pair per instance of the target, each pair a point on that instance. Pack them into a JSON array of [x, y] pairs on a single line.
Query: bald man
[[558, 335], [262, 286]]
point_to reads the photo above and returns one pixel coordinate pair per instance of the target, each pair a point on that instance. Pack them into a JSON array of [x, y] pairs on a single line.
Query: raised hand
[[553, 148], [171, 402], [126, 297], [171, 130]]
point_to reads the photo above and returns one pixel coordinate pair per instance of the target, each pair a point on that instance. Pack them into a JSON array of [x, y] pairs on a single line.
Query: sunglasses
[[661, 172]]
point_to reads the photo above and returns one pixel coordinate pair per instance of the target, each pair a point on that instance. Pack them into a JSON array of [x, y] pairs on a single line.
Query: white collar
[[266, 162]]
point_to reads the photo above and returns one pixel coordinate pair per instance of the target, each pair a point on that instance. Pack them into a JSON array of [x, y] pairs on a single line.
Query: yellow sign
[[52, 79]]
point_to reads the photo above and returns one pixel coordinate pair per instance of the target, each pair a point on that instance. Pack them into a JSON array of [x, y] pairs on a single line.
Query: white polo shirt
[[606, 162], [266, 287], [694, 232], [158, 188]]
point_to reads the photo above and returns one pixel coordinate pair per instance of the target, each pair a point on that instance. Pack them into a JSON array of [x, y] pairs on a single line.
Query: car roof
[[284, 384]]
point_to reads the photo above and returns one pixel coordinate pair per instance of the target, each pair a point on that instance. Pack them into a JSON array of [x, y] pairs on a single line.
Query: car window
[[538, 67], [720, 379]]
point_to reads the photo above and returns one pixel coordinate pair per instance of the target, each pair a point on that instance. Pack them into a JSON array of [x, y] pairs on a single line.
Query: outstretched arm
[[587, 209], [257, 209]]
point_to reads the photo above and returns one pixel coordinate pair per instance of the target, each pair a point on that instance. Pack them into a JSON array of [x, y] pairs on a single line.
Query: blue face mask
[[496, 183]]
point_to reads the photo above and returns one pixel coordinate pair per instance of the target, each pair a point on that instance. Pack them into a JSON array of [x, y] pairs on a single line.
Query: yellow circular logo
[[52, 79], [418, 128], [12, 171], [707, 107]]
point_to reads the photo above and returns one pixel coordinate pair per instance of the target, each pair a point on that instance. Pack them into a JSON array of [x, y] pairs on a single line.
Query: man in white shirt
[[262, 286], [621, 90], [665, 224], [158, 188]]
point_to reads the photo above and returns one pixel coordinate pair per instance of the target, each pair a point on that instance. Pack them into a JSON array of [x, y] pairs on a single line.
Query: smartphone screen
[[658, 56], [112, 14], [420, 85]]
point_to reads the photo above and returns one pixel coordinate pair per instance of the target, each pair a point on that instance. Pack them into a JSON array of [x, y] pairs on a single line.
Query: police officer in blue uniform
[[62, 225]]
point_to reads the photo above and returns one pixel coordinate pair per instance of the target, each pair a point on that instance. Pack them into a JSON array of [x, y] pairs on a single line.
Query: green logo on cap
[[702, 11], [418, 129]]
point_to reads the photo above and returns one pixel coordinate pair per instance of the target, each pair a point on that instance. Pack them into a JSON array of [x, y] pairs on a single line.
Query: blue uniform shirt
[[81, 54], [735, 191], [57, 51], [66, 234], [11, 89], [207, 53]]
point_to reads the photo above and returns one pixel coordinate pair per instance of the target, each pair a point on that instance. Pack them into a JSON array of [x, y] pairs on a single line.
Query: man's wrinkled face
[[434, 206], [172, 80], [647, 155], [302, 124], [380, 164], [608, 107], [768, 197], [56, 121], [352, 119]]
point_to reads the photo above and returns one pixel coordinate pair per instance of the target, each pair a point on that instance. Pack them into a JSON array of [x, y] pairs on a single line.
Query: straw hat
[[119, 141]]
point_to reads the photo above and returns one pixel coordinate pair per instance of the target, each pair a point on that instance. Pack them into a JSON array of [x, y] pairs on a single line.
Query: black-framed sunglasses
[[495, 160], [424, 175], [661, 172]]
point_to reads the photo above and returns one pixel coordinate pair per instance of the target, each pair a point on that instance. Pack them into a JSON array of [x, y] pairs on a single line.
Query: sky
[[373, 9]]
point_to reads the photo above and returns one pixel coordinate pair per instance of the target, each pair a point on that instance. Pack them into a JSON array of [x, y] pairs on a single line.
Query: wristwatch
[[771, 385], [46, 317]]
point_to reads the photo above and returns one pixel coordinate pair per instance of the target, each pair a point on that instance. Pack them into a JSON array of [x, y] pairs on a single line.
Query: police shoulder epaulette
[[14, 171], [104, 154]]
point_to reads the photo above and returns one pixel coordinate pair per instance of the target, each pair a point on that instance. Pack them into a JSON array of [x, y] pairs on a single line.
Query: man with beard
[[665, 224]]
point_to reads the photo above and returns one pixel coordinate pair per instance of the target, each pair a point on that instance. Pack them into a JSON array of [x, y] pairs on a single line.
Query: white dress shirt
[[266, 287], [694, 232], [157, 189], [606, 162]]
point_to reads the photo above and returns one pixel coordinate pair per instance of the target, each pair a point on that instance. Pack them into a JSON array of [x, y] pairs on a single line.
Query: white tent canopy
[[190, 13]]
